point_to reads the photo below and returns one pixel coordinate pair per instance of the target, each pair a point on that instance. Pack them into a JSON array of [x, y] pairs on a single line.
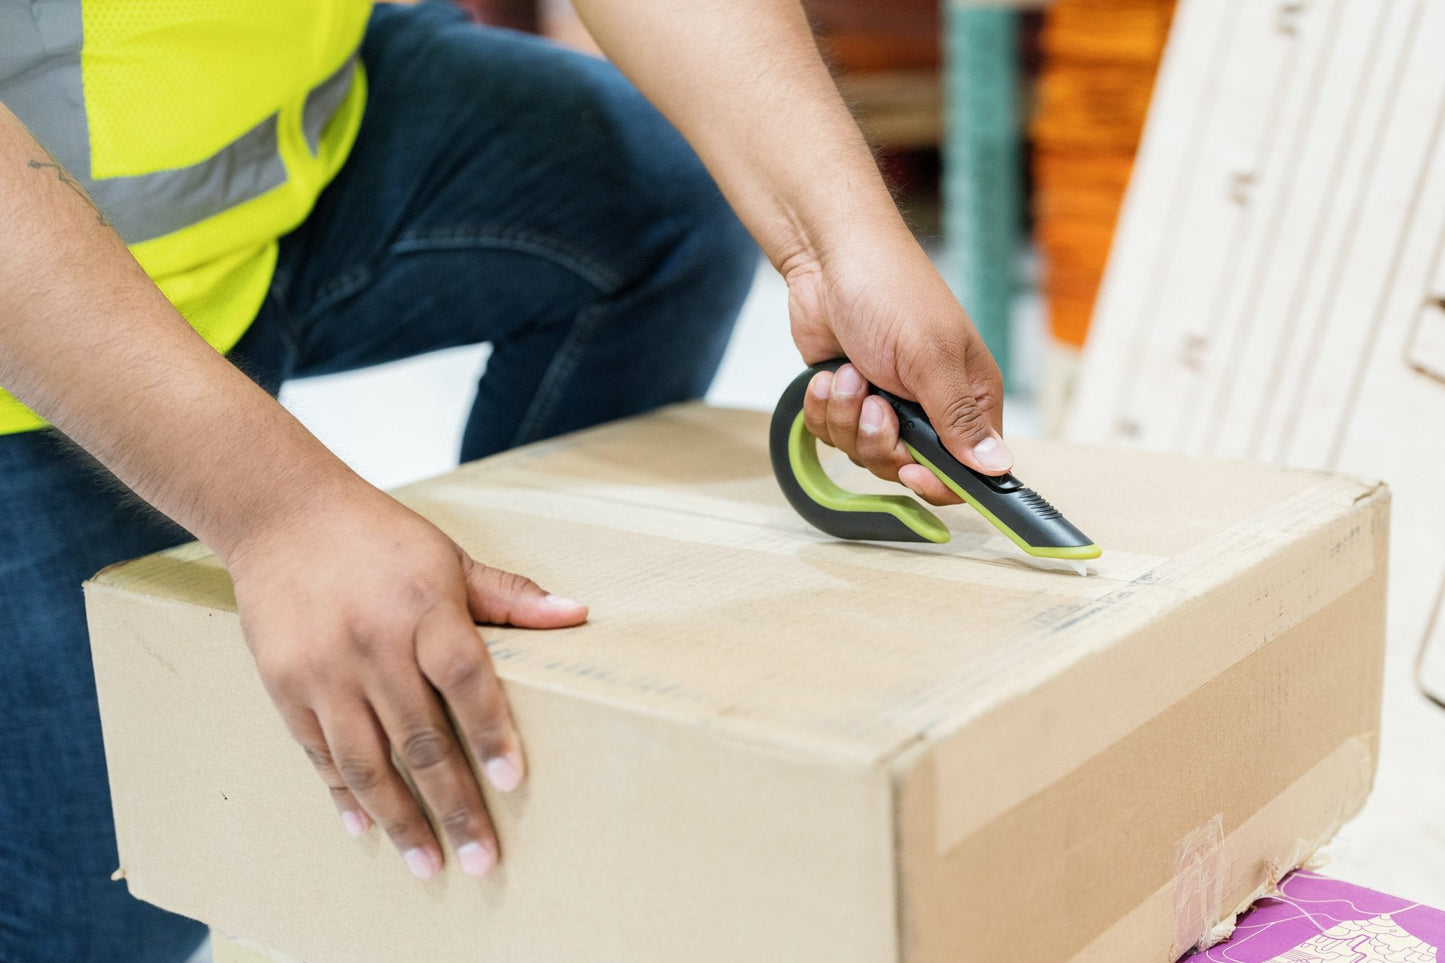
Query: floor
[[390, 443]]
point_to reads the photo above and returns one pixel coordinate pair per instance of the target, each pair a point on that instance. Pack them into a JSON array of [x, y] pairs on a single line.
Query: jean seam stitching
[[292, 326], [597, 275], [341, 287], [558, 373]]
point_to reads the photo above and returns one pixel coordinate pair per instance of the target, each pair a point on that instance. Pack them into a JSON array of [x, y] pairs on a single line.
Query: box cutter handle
[[1020, 513]]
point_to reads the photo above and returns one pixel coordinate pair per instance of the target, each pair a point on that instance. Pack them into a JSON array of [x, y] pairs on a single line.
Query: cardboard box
[[771, 745]]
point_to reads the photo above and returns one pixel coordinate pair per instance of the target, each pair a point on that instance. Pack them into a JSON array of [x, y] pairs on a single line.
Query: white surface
[[399, 422]]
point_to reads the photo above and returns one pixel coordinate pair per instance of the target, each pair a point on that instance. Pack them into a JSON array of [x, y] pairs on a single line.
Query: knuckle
[[359, 775], [459, 823], [401, 828], [425, 749], [365, 636], [457, 670], [879, 462], [287, 675], [872, 449], [966, 417], [490, 738], [510, 583], [319, 755], [818, 428]]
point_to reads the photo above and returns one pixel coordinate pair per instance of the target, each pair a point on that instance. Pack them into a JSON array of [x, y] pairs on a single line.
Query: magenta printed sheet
[[1321, 920]]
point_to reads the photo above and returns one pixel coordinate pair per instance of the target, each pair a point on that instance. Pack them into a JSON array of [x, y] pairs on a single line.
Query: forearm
[[743, 81], [89, 342]]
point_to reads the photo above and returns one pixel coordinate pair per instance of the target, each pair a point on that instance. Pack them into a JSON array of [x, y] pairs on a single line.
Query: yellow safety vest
[[203, 130]]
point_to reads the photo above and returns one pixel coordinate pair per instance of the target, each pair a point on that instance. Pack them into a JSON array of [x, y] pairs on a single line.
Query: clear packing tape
[[1199, 887], [1204, 910]]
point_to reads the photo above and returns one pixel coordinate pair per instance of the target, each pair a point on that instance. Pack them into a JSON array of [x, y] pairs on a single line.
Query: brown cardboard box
[[771, 745]]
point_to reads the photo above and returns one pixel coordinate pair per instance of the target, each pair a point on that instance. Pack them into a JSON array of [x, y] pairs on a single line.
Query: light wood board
[[1277, 292]]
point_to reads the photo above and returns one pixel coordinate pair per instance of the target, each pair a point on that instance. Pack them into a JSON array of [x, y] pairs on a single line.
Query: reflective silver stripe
[[323, 102], [40, 82], [151, 205], [40, 76]]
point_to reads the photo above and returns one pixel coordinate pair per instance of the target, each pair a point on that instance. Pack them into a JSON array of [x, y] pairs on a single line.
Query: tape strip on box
[[1198, 884]]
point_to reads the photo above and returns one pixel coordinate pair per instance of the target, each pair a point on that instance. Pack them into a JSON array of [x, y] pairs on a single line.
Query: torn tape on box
[[1199, 887]]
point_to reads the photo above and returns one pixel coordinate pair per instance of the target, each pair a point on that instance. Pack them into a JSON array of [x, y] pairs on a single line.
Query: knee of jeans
[[115, 926], [658, 174], [720, 237], [735, 261]]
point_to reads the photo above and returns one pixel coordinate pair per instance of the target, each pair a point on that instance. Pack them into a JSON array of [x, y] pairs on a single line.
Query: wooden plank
[[1426, 349], [1320, 340], [1430, 664], [1389, 252], [1165, 168], [1206, 240], [1250, 322], [1333, 180]]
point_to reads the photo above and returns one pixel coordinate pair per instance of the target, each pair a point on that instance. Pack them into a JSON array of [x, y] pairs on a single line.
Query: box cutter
[[1019, 512]]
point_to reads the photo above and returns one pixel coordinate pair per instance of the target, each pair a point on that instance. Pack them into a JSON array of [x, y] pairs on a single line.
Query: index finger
[[422, 737], [455, 660]]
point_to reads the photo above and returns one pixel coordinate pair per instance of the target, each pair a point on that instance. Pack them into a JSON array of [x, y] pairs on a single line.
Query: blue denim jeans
[[501, 190]]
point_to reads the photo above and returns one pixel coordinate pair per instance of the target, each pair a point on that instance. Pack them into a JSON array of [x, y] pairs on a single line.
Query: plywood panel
[[1277, 291]]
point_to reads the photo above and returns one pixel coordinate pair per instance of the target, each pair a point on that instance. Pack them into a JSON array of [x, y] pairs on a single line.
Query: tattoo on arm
[[69, 181]]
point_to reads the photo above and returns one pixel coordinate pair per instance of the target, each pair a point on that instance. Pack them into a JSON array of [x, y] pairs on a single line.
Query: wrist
[[275, 499], [832, 238]]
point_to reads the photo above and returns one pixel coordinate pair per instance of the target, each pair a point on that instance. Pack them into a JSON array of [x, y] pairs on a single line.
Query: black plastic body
[[1018, 508], [1021, 509], [868, 526]]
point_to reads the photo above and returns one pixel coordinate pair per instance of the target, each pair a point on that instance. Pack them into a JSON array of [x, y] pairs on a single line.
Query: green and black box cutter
[[1021, 513]]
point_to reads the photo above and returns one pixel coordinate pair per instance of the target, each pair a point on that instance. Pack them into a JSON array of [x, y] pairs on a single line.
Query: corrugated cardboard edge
[[1312, 585], [190, 575], [172, 876], [1206, 914], [1206, 921], [215, 588]]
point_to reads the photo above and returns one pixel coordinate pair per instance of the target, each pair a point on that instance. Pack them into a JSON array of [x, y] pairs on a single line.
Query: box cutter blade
[[1019, 512]]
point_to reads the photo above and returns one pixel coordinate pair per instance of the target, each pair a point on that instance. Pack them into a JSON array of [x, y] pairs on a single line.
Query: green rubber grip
[[1018, 512]]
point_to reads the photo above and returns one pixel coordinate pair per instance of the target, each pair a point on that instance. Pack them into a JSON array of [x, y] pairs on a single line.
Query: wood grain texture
[[1274, 294]]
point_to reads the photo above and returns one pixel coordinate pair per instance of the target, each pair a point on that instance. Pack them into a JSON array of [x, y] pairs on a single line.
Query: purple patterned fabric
[[1321, 920]]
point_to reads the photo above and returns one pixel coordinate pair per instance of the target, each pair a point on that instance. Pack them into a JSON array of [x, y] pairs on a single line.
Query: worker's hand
[[361, 622], [904, 331]]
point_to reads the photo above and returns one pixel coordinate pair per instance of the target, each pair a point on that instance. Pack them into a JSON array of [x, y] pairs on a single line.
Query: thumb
[[962, 424], [497, 597]]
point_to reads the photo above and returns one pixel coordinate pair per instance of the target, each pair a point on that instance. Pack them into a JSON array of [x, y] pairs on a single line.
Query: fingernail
[[847, 382], [872, 418], [502, 774], [476, 859], [993, 454], [823, 386], [561, 602], [354, 822], [423, 865]]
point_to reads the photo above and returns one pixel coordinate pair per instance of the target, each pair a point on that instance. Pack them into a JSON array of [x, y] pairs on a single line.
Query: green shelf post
[[982, 193]]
